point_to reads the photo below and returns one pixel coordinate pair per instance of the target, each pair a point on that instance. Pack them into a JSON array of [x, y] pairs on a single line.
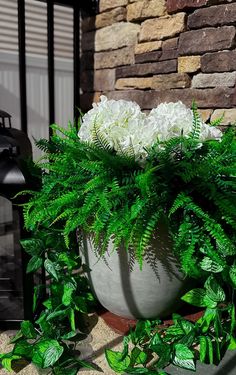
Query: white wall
[[37, 76]]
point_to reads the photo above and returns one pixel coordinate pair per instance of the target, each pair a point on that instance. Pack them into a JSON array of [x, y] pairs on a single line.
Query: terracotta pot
[[122, 325], [125, 290]]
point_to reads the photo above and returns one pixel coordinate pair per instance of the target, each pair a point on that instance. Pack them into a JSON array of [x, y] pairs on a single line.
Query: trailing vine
[[63, 301]]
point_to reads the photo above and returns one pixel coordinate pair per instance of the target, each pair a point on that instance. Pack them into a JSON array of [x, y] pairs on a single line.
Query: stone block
[[163, 27], [168, 54], [223, 61], [105, 5], [104, 80], [205, 40], [170, 43], [147, 47], [148, 57], [205, 114], [157, 56], [216, 15], [189, 64], [169, 66], [206, 98], [160, 82], [111, 17], [229, 115], [171, 81], [177, 5], [134, 83], [203, 80], [145, 9], [104, 19], [118, 35], [111, 59]]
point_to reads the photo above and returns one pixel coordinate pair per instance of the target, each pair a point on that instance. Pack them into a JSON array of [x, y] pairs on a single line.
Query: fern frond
[[99, 139], [196, 122], [218, 120], [146, 236]]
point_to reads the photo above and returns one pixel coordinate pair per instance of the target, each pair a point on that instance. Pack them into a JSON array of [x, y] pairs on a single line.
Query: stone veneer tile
[[203, 80], [118, 35], [146, 9], [147, 47], [163, 27], [216, 15], [170, 43], [229, 115], [206, 40], [205, 114], [104, 19], [177, 5], [98, 80], [111, 59], [168, 54], [169, 66], [222, 61], [205, 98], [189, 64], [157, 82], [105, 5]]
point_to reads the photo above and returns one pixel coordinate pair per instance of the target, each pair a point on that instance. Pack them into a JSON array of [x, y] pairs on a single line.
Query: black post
[[76, 61], [27, 279], [51, 80], [22, 64]]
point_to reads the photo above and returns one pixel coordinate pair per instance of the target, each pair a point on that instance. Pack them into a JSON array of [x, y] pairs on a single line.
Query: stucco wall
[[152, 51]]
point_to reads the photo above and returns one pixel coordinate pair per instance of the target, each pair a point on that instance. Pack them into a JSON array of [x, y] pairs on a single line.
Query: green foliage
[[88, 189], [50, 341], [179, 344]]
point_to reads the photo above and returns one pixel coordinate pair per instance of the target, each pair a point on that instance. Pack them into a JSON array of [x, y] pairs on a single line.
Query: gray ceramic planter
[[125, 290]]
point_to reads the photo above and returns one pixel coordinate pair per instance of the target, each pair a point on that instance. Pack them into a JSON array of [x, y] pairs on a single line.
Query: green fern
[[196, 122], [89, 186]]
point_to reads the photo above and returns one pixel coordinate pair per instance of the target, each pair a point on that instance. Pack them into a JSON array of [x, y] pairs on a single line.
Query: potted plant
[[144, 186], [157, 194]]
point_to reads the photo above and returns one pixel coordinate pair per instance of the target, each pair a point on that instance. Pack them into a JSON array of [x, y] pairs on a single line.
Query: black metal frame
[[88, 7], [22, 64]]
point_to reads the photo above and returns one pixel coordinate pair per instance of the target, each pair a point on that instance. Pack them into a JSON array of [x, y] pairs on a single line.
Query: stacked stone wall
[[152, 51]]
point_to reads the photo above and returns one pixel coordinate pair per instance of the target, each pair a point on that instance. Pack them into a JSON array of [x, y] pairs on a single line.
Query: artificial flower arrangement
[[126, 128], [118, 177]]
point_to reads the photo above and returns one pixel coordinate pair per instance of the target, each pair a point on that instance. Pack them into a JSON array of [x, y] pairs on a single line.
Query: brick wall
[[152, 51]]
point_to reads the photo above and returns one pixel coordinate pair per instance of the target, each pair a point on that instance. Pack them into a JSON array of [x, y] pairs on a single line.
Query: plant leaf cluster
[[152, 346], [51, 341]]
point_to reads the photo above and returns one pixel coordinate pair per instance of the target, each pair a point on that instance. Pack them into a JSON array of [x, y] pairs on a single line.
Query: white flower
[[120, 122], [170, 120], [125, 127], [210, 132]]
